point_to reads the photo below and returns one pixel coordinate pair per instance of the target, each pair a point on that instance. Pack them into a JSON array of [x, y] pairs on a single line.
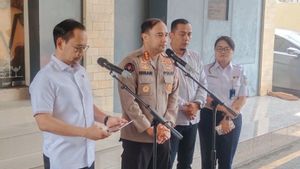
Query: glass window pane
[[12, 64]]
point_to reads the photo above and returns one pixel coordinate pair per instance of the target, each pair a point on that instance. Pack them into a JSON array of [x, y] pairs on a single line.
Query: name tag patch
[[145, 72]]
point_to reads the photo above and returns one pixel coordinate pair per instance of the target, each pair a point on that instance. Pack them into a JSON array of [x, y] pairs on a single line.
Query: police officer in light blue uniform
[[229, 83]]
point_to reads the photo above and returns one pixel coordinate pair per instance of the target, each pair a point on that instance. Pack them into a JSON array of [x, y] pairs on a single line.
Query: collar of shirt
[[185, 54], [63, 66], [154, 61], [217, 66]]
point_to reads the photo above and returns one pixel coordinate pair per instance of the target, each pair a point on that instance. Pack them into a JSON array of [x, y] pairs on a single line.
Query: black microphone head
[[101, 61], [169, 52]]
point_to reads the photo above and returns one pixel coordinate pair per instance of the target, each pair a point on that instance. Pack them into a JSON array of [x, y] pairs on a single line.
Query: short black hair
[[228, 40], [65, 29], [149, 24], [178, 21]]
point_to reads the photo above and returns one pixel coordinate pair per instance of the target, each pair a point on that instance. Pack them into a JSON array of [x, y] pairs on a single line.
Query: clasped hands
[[163, 133], [191, 109], [226, 122]]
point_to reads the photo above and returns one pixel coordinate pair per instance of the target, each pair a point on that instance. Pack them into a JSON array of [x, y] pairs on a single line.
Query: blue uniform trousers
[[225, 144], [185, 147]]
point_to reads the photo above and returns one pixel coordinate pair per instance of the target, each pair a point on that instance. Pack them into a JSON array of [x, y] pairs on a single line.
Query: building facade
[[113, 29]]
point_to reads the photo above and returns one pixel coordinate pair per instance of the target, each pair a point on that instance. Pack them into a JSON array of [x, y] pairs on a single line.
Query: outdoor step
[[15, 113], [108, 154], [260, 146], [28, 161], [13, 94], [265, 129], [106, 151], [20, 140]]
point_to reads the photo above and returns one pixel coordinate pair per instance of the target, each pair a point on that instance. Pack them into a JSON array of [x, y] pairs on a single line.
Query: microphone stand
[[216, 102], [156, 119]]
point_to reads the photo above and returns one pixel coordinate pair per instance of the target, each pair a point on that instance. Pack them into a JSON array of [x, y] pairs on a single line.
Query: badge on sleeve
[[129, 67]]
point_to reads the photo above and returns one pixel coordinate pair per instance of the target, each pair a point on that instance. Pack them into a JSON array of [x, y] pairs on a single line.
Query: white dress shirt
[[220, 81], [65, 93], [189, 91]]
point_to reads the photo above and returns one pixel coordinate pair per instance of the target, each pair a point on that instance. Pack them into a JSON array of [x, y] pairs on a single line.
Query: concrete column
[[98, 17]]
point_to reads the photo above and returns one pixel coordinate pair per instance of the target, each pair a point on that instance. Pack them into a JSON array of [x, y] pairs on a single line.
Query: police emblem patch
[[146, 88], [129, 67]]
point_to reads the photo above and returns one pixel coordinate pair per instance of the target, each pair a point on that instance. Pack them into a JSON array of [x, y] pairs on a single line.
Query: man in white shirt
[[191, 96], [62, 103]]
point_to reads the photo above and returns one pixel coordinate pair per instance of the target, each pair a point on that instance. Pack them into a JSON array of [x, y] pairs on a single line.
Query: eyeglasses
[[220, 49], [80, 48], [160, 35]]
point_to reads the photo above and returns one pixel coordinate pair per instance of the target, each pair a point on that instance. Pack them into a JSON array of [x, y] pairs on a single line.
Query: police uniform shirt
[[156, 83]]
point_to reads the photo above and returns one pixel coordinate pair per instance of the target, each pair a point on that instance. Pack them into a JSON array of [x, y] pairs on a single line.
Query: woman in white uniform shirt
[[228, 82]]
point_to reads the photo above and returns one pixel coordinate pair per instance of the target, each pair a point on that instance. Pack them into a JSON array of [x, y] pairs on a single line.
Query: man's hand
[[114, 121], [95, 133], [150, 131], [163, 133], [191, 110]]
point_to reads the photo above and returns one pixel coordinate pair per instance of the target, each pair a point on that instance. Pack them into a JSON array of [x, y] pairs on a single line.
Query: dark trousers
[[139, 155], [225, 144], [185, 147], [47, 163]]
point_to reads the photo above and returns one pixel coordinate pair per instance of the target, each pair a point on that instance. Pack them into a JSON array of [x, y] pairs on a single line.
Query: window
[[289, 1], [281, 44], [12, 55]]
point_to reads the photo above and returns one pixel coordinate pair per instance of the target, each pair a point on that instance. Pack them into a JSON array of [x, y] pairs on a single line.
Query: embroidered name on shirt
[[145, 73], [168, 73]]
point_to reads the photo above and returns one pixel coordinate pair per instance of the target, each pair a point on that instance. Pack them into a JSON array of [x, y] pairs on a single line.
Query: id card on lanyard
[[232, 91]]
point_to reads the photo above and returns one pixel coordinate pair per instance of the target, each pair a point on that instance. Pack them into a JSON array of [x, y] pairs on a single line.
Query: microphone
[[172, 55], [105, 63]]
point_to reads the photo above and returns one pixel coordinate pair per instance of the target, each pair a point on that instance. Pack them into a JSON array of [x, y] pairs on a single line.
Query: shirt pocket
[[145, 86], [213, 82], [168, 86], [236, 83]]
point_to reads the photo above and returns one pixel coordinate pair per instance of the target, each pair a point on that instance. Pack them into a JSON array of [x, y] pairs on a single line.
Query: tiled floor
[[265, 121], [265, 114]]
